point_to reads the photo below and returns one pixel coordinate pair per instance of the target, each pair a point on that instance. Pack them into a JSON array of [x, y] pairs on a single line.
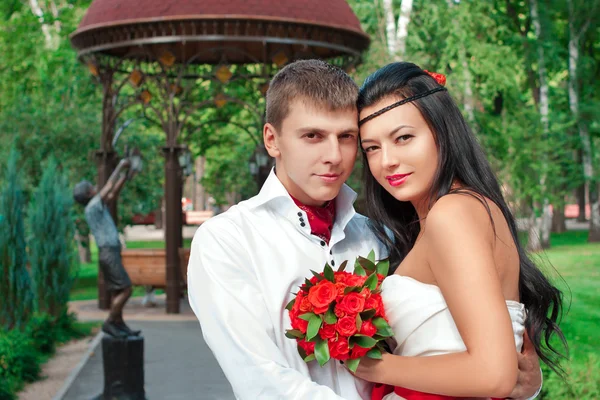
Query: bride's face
[[400, 149]]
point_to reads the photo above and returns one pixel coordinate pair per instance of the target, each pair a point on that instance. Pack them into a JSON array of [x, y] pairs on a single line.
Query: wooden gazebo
[[161, 49]]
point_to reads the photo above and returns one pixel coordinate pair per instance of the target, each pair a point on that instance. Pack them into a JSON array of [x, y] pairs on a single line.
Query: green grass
[[574, 266]]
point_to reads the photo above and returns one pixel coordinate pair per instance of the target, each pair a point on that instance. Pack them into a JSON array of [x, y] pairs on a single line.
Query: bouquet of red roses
[[340, 315]]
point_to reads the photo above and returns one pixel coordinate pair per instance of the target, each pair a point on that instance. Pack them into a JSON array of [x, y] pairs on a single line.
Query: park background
[[525, 74]]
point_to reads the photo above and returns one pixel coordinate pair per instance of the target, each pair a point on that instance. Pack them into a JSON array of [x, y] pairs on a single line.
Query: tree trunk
[[558, 219], [544, 106], [396, 34], [402, 32], [37, 11], [534, 243], [390, 27], [199, 191], [83, 247], [594, 213], [586, 143], [581, 203]]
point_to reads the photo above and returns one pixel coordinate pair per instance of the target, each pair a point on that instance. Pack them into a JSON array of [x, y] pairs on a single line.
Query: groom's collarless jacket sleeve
[[225, 296]]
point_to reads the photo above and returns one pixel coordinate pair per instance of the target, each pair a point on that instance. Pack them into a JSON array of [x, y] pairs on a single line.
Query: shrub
[[19, 359], [15, 285], [51, 243]]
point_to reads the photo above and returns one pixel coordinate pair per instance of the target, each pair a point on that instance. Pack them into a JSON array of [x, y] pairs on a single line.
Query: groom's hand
[[529, 379]]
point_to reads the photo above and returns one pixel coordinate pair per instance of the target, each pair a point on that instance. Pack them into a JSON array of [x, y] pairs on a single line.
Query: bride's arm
[[459, 240]]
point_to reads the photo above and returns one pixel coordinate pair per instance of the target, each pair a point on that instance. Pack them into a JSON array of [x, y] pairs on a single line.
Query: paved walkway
[[178, 364]]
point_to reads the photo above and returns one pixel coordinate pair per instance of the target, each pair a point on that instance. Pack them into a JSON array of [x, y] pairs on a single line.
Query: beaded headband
[[440, 79]]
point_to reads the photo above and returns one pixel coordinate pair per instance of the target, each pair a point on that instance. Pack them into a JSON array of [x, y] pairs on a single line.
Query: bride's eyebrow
[[392, 132]]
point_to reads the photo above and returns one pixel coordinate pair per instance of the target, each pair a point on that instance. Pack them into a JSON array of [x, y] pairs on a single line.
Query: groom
[[245, 263]]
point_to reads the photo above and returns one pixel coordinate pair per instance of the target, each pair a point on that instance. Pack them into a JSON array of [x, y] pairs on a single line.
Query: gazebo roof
[[321, 28]]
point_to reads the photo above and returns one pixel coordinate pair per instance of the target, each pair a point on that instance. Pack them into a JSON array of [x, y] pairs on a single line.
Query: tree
[[577, 28], [51, 245], [15, 284]]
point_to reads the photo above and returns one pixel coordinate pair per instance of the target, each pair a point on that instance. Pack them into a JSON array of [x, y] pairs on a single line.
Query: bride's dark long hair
[[461, 159]]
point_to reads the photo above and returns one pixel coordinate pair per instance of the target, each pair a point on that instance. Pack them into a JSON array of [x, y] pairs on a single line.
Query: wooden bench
[[197, 217], [149, 266]]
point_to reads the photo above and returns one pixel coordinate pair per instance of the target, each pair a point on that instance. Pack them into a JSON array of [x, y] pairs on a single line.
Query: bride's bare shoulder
[[463, 211]]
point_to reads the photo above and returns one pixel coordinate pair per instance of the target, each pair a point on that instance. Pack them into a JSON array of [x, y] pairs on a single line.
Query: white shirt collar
[[275, 195]]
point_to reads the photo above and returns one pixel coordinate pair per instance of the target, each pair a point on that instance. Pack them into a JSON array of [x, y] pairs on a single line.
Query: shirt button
[[299, 214], [301, 219], [330, 252], [302, 224], [332, 263], [323, 243]]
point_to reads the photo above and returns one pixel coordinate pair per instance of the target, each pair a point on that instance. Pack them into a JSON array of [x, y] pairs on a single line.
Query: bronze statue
[[105, 233]]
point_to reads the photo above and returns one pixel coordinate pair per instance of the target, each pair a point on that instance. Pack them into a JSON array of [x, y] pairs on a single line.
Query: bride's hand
[[529, 379], [373, 370]]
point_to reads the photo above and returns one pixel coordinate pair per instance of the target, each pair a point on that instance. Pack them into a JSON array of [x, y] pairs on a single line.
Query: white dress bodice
[[422, 323]]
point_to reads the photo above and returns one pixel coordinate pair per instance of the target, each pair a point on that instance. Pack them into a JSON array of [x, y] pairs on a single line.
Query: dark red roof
[[332, 13]]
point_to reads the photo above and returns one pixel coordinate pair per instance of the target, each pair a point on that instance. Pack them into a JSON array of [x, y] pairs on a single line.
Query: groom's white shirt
[[244, 266]]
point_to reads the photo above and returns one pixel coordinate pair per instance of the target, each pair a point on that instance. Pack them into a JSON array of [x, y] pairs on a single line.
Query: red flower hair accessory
[[439, 78]]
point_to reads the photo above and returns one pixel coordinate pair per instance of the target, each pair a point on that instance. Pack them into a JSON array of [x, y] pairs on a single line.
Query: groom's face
[[315, 150]]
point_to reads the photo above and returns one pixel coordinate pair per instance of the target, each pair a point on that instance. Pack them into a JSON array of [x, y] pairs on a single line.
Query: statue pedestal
[[123, 360]]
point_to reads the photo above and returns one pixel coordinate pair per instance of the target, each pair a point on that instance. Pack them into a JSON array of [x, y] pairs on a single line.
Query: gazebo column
[[106, 162], [173, 226]]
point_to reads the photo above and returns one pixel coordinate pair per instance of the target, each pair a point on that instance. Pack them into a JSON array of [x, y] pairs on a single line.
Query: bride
[[465, 292]]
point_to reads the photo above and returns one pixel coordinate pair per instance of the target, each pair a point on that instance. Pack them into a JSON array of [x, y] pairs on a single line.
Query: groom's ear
[[270, 139]]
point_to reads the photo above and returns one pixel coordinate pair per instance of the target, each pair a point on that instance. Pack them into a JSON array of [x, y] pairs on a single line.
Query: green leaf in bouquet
[[352, 364], [328, 273], [383, 328], [371, 256], [302, 352], [317, 275], [307, 316], [358, 322], [374, 353], [360, 271], [290, 305], [314, 324], [330, 317], [311, 358], [368, 314], [351, 289], [294, 333], [322, 351], [308, 284], [367, 264], [363, 341], [376, 291], [371, 281], [342, 267], [383, 267]]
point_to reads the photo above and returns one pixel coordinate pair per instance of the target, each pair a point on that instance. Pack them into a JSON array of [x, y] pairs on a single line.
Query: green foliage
[[23, 352], [15, 285], [51, 245], [19, 358]]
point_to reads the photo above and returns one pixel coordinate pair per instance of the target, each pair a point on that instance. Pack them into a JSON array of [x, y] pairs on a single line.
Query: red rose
[[380, 279], [327, 331], [355, 280], [338, 349], [338, 311], [305, 305], [374, 302], [309, 347], [366, 293], [322, 294], [358, 352], [298, 323], [340, 288], [346, 326], [352, 303], [368, 329], [321, 310]]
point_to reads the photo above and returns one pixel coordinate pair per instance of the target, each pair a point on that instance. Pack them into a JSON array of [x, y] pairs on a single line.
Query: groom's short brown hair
[[314, 81]]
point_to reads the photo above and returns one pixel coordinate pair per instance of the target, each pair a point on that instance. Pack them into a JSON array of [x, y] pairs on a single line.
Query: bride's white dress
[[422, 323]]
